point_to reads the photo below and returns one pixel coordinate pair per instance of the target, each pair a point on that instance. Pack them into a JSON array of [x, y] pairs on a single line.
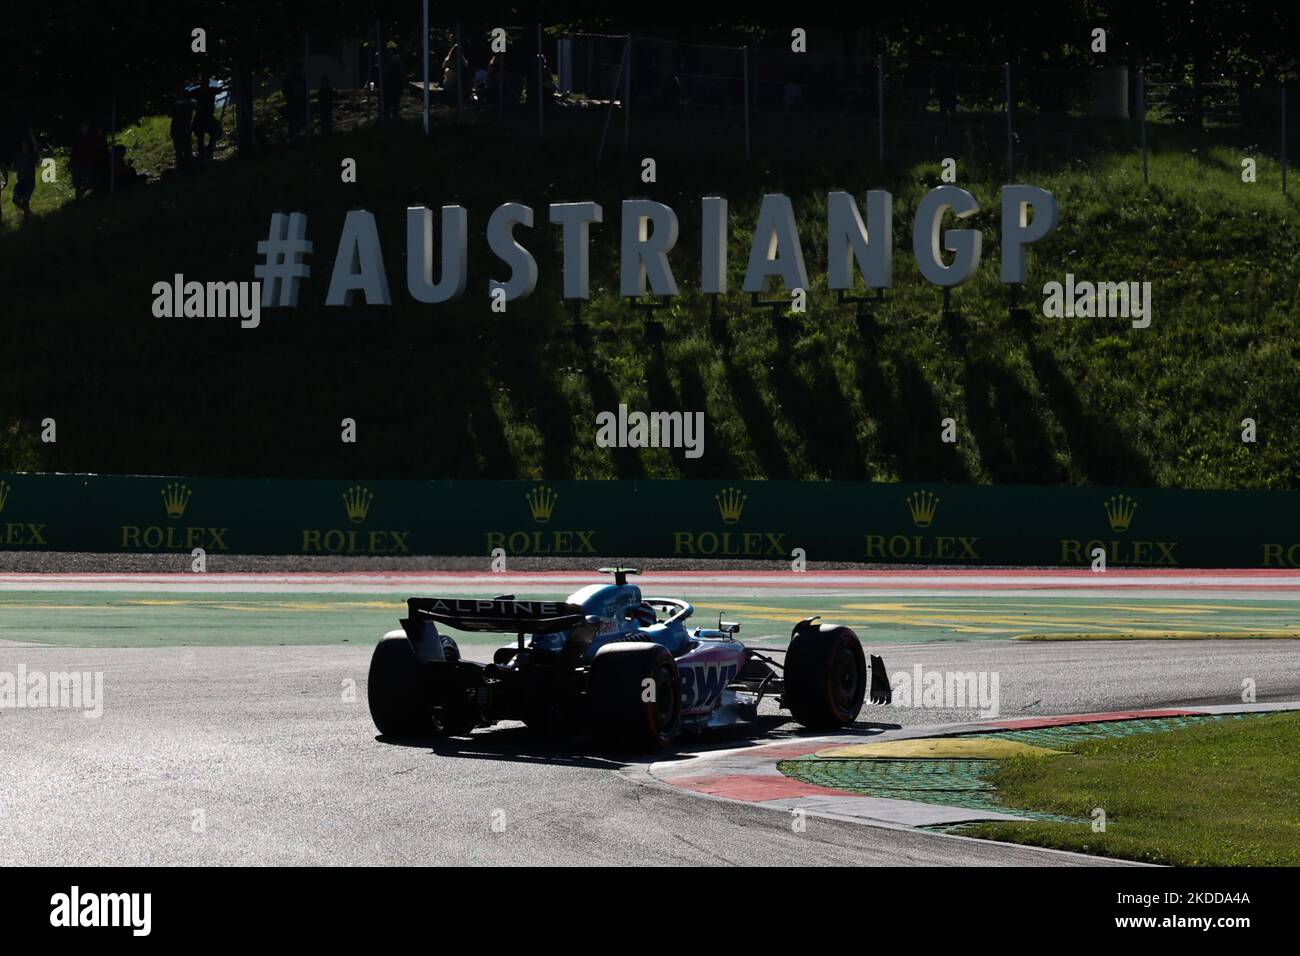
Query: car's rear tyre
[[624, 713], [825, 676], [399, 698], [403, 700]]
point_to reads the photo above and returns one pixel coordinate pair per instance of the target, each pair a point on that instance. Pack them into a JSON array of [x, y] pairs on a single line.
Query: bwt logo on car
[[74, 909], [702, 683]]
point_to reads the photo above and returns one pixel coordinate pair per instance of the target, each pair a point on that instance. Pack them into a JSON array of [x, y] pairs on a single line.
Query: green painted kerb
[[966, 783]]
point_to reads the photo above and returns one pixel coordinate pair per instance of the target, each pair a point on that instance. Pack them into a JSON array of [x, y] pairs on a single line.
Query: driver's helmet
[[644, 615]]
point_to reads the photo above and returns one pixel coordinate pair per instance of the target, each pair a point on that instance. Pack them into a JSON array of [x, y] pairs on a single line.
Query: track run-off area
[[159, 610], [233, 725]]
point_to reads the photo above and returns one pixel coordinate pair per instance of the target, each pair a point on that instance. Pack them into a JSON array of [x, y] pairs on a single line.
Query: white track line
[[903, 583]]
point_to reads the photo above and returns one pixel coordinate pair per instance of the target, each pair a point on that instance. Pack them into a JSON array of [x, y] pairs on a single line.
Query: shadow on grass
[[908, 420], [604, 396], [810, 394], [717, 461], [768, 448], [1014, 446], [1099, 450]]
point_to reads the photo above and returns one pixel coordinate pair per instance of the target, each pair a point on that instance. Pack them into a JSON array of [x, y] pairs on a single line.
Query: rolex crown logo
[[922, 505], [356, 501], [731, 502], [176, 497], [1119, 511], [4, 495], [541, 502]]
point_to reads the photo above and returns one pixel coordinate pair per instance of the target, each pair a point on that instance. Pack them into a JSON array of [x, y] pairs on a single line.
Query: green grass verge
[[1223, 794]]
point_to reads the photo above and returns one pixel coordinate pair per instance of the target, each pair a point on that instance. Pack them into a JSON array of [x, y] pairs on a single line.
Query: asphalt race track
[[222, 741]]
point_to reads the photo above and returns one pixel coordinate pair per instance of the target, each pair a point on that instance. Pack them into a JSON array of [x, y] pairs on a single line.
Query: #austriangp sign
[[955, 525], [648, 231]]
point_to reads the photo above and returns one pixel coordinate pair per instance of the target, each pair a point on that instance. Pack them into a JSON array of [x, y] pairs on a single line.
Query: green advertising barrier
[[830, 521]]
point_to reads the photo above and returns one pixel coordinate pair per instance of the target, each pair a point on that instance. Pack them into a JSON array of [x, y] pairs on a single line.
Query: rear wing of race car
[[507, 616]]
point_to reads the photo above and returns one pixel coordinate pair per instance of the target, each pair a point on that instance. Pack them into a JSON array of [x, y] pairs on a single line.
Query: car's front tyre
[[825, 676]]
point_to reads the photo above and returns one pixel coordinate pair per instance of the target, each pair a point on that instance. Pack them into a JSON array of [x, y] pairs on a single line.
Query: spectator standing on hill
[[206, 128], [478, 90], [504, 86], [946, 89], [325, 105], [25, 175], [295, 101], [182, 114], [394, 84], [124, 173], [451, 75], [89, 161]]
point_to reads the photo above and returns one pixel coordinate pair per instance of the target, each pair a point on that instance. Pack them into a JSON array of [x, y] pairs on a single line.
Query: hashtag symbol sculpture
[[283, 269]]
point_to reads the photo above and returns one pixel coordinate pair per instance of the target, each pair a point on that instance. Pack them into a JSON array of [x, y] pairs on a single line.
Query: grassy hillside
[[458, 391]]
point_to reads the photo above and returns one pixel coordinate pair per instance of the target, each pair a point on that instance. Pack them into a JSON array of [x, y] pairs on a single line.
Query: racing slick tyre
[[825, 676], [402, 698], [620, 714]]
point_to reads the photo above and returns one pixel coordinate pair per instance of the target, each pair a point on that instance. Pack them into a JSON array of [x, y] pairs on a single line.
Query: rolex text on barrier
[[905, 524]]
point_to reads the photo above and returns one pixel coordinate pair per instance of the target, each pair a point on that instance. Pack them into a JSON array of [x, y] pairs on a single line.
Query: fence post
[[1011, 142], [627, 92], [379, 70], [1284, 141], [609, 112], [745, 83], [460, 77], [1142, 118], [425, 5], [541, 87], [112, 143], [757, 81], [306, 82], [880, 106]]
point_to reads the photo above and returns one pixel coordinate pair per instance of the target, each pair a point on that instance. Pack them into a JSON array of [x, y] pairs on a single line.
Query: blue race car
[[606, 659]]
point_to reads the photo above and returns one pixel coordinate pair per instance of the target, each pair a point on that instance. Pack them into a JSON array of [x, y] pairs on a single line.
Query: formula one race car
[[624, 666]]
